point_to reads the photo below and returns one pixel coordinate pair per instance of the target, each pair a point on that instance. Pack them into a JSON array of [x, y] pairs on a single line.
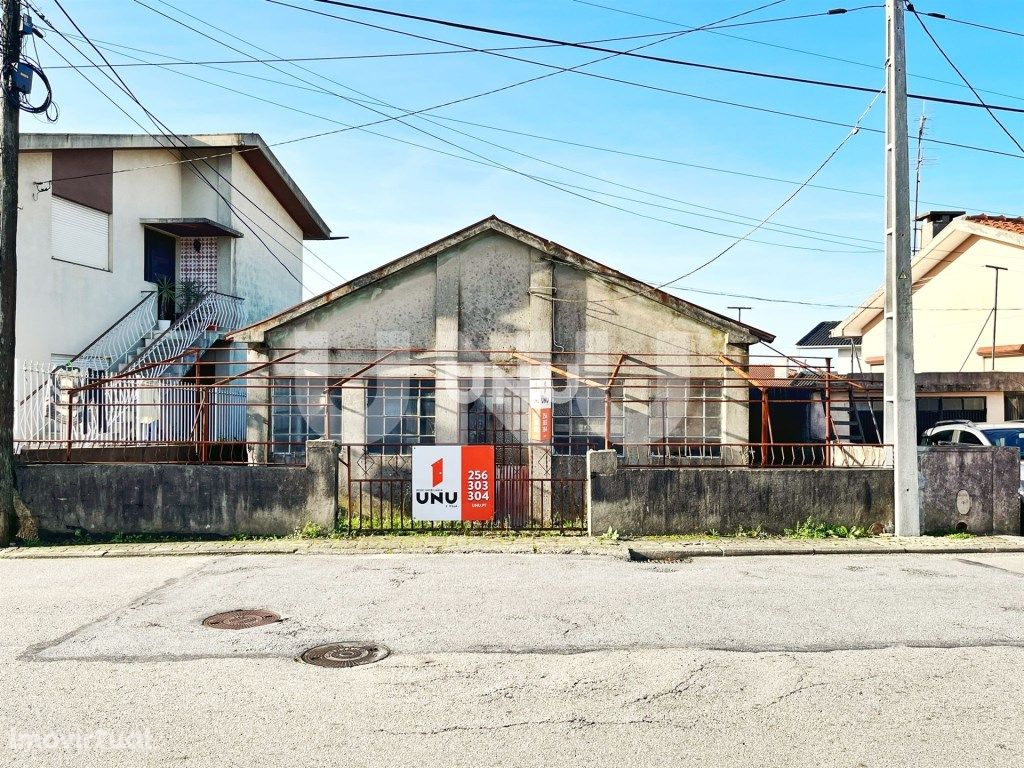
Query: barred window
[[496, 417], [578, 424], [302, 410], [399, 414], [687, 421]]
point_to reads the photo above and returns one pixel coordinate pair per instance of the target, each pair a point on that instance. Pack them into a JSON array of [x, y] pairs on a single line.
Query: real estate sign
[[540, 411], [453, 482]]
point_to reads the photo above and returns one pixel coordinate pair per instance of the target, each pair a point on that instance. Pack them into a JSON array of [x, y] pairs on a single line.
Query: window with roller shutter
[[79, 234]]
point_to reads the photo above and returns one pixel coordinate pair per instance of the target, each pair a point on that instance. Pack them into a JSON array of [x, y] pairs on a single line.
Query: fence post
[[71, 400], [829, 430], [608, 418]]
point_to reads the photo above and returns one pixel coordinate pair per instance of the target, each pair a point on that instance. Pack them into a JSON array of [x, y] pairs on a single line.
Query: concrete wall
[[976, 487], [183, 499], [640, 501]]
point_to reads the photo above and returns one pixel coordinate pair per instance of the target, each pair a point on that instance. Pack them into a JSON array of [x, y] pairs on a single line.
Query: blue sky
[[390, 197]]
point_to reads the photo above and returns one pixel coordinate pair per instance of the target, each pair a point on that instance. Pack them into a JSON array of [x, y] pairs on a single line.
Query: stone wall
[[216, 500]]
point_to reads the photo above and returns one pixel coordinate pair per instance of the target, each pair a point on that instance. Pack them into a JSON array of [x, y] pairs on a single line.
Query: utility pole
[[900, 399], [10, 49], [739, 312], [917, 176], [995, 310]]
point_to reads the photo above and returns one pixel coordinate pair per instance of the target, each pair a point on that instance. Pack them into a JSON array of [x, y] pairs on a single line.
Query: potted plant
[[166, 298]]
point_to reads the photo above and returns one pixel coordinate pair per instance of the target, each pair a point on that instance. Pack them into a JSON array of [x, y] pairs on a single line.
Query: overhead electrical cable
[[791, 49], [660, 59], [622, 81], [400, 118]]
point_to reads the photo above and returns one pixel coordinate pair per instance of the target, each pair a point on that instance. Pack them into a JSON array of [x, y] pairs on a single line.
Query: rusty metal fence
[[542, 411]]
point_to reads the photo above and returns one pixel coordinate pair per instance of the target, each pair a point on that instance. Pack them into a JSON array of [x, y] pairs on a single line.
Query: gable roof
[[249, 146], [821, 336], [255, 333], [940, 251]]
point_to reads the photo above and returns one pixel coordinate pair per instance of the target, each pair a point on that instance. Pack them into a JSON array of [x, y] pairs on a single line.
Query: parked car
[[1010, 433]]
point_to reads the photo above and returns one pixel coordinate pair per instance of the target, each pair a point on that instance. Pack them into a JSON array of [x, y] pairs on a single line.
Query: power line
[[660, 59], [777, 300], [399, 118], [791, 49], [242, 218], [981, 102], [944, 17], [622, 81], [190, 163], [781, 228]]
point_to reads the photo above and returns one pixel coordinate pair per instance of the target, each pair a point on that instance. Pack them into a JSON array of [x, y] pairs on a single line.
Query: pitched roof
[[1014, 225], [821, 336], [249, 146], [940, 250], [255, 332]]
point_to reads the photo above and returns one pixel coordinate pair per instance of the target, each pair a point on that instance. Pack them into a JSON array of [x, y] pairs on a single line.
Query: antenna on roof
[[917, 176]]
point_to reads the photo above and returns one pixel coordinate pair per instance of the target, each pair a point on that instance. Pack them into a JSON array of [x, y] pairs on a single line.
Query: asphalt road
[[517, 660]]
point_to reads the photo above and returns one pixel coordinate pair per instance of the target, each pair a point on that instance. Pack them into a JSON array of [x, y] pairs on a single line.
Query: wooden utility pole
[[10, 44], [900, 397]]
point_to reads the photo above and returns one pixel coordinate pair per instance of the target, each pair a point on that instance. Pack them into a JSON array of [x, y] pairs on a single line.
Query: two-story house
[[134, 250], [106, 220]]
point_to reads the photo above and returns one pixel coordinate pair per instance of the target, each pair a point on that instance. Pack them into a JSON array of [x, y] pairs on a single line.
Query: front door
[[161, 267]]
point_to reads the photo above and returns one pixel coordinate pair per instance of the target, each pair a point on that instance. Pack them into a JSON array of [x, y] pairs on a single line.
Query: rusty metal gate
[[533, 490]]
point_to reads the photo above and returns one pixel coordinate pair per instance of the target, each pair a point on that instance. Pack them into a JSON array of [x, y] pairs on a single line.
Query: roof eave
[[738, 333]]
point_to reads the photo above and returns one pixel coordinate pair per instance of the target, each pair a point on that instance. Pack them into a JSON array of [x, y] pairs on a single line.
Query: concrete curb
[[635, 550]]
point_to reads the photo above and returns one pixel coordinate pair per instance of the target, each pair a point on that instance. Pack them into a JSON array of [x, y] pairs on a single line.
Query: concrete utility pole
[[995, 310], [900, 401], [10, 45]]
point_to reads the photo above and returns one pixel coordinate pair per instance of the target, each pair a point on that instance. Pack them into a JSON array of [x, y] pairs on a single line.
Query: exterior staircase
[[116, 369]]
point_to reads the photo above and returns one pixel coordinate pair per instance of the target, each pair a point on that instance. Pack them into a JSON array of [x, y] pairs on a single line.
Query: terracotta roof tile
[[1014, 225]]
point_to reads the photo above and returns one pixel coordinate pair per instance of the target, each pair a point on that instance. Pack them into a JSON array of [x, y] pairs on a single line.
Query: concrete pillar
[[735, 407], [446, 338], [598, 463], [322, 469], [542, 461], [257, 414]]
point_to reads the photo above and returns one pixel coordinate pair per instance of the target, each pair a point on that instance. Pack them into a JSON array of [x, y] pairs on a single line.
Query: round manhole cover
[[345, 654], [241, 619]]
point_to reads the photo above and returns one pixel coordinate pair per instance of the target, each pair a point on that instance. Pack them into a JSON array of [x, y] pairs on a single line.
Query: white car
[[1010, 433]]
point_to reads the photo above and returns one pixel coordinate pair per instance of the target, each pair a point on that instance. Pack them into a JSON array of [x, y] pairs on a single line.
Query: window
[[299, 410], [968, 438], [1014, 403], [943, 437], [79, 234], [686, 421], [496, 417], [578, 424], [1013, 438], [399, 414]]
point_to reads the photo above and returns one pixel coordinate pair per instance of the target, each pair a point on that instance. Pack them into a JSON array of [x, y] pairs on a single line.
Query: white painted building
[[104, 217], [961, 373]]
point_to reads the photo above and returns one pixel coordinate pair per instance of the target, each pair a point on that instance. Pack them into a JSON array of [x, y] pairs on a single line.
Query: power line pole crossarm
[[900, 398], [10, 44]]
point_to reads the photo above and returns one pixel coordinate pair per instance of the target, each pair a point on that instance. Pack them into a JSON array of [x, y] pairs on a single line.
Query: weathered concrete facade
[[474, 300], [183, 499], [973, 490]]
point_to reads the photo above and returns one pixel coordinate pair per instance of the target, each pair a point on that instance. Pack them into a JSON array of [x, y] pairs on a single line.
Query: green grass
[[812, 528]]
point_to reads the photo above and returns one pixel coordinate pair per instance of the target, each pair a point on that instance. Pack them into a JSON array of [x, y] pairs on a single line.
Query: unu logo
[[450, 498], [437, 468]]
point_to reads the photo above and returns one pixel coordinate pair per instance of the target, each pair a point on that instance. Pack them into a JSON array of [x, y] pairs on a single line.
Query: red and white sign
[[453, 482], [540, 411]]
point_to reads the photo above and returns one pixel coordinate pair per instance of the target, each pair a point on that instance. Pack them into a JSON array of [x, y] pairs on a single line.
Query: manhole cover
[[240, 619], [345, 654]]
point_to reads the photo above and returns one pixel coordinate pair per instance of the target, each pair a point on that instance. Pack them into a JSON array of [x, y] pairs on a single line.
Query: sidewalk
[[654, 549]]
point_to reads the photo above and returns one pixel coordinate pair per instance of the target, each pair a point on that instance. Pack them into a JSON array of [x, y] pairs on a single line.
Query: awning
[[190, 227]]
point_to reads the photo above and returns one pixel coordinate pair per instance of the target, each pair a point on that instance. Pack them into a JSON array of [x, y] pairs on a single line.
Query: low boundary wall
[[217, 500], [973, 489]]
